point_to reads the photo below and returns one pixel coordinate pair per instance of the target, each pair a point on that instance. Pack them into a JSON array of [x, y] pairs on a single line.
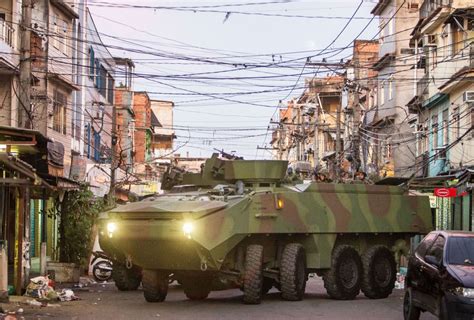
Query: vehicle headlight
[[464, 292], [111, 228], [188, 228]]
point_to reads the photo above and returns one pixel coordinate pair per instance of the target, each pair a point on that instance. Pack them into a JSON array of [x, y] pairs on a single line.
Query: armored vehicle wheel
[[126, 279], [380, 272], [343, 280], [293, 272], [253, 274], [194, 293], [197, 288], [155, 285]]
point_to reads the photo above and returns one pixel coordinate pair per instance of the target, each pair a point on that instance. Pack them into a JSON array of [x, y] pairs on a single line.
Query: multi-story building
[[315, 110], [37, 135], [362, 97], [443, 102], [125, 116], [163, 135], [389, 128], [98, 94], [9, 61]]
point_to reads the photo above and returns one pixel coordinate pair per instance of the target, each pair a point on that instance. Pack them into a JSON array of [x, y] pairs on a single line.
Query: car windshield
[[461, 250]]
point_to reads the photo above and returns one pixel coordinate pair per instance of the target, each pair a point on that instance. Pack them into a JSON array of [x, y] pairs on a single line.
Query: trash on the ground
[[39, 288], [34, 303], [400, 281], [67, 295], [54, 305], [20, 310], [10, 316]]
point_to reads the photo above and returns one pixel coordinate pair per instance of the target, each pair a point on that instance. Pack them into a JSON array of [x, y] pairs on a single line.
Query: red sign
[[445, 192]]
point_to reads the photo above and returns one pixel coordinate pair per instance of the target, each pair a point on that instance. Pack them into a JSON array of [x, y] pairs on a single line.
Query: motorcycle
[[102, 267]]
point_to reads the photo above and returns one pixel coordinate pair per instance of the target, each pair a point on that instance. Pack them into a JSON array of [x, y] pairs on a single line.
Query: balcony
[[429, 6], [6, 33]]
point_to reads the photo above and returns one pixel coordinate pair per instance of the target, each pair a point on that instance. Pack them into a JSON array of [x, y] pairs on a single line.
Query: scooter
[[102, 269]]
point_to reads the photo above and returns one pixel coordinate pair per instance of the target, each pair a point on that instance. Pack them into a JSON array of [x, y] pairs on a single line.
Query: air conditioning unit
[[468, 96]]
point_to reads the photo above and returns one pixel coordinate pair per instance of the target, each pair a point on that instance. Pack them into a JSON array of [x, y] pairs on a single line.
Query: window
[[412, 6], [457, 36], [445, 128], [91, 63], [460, 251], [382, 31], [110, 90], [59, 112], [102, 86], [97, 73], [434, 130], [97, 146], [470, 24], [64, 38], [424, 245], [55, 29], [456, 123], [437, 249]]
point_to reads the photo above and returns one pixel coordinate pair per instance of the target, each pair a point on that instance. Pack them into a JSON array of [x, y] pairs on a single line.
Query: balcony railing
[[6, 33], [428, 6]]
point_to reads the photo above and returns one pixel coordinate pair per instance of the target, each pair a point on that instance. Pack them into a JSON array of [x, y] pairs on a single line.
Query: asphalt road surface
[[103, 301]]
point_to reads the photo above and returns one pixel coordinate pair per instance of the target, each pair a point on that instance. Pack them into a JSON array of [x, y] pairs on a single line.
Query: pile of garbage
[[42, 289]]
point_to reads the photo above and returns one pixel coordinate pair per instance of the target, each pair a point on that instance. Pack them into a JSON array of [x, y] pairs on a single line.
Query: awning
[[434, 100], [24, 169]]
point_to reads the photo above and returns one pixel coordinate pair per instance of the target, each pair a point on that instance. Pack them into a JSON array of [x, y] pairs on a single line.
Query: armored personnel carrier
[[238, 225]]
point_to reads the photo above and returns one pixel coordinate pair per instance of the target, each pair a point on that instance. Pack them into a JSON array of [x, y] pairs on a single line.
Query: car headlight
[[464, 292], [111, 228], [188, 228]]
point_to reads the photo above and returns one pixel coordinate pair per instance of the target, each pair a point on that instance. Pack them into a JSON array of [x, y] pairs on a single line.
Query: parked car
[[440, 277]]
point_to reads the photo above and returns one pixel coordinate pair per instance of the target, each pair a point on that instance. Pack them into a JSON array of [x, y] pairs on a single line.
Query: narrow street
[[104, 301]]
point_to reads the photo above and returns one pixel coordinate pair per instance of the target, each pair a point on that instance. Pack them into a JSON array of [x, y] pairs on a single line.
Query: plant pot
[[63, 272]]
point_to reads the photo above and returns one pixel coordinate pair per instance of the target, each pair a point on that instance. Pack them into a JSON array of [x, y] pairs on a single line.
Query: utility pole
[[316, 137], [25, 65], [113, 162], [298, 138], [356, 162], [338, 138]]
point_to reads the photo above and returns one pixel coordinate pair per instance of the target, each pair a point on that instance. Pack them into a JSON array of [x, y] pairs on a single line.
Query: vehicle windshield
[[461, 250]]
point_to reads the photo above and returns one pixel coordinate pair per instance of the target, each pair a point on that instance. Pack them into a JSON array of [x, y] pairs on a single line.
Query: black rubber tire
[[338, 281], [97, 273], [253, 274], [126, 279], [197, 288], [155, 286], [293, 272], [196, 293], [379, 272], [410, 311]]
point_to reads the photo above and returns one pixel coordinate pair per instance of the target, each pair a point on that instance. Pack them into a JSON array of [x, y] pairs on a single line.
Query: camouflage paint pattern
[[318, 215]]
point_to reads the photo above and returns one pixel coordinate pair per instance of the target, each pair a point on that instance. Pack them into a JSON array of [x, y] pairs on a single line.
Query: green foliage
[[77, 214]]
